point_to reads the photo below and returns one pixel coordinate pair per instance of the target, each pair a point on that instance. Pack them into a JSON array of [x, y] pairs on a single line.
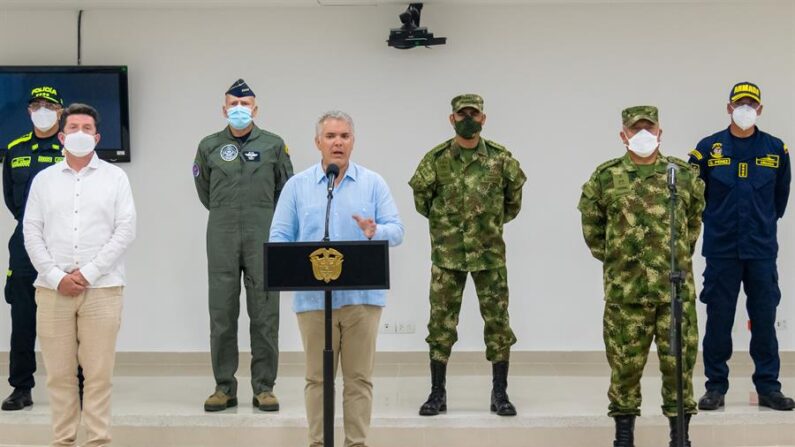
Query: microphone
[[332, 171], [672, 170]]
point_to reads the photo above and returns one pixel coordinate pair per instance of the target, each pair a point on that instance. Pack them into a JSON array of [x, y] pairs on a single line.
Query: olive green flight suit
[[239, 183]]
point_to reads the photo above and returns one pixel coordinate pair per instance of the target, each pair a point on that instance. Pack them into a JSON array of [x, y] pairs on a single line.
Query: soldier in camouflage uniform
[[626, 224], [468, 187]]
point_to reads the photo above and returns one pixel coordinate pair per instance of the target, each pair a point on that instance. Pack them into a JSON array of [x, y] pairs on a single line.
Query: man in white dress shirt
[[79, 221]]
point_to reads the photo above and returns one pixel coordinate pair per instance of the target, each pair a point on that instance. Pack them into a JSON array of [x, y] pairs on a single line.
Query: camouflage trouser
[[628, 333], [447, 289]]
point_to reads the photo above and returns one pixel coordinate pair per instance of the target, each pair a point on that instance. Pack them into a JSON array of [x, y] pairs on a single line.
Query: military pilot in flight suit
[[239, 173]]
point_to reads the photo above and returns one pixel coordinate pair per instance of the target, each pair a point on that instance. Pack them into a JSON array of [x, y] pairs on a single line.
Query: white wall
[[554, 78]]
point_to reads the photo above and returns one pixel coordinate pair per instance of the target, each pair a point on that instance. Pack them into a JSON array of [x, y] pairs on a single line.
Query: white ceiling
[[104, 4]]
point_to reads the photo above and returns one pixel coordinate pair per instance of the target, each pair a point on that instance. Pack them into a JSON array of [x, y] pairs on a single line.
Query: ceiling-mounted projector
[[411, 35]]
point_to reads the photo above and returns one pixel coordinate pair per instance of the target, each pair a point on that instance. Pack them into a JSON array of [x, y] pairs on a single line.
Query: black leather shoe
[[775, 400], [17, 400], [437, 400], [711, 400]]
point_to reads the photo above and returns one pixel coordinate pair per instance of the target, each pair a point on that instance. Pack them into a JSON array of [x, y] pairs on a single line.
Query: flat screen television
[[103, 87]]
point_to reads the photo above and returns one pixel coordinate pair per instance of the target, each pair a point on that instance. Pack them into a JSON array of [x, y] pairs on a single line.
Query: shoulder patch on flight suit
[[20, 162], [697, 155], [196, 169], [286, 150]]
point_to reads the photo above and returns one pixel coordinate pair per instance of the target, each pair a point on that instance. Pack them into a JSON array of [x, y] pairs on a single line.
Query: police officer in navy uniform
[[25, 157], [747, 176]]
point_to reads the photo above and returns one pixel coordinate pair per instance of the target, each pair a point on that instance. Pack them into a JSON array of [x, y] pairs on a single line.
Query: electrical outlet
[[386, 327], [781, 325], [405, 327]]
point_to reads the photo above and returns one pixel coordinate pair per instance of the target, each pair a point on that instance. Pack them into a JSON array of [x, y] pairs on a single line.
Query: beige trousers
[[79, 329], [354, 331]]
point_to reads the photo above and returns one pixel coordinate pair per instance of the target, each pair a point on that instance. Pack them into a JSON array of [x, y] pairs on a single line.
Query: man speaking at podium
[[362, 209]]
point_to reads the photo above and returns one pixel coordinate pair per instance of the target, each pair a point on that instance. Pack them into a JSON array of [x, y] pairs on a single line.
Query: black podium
[[327, 266]]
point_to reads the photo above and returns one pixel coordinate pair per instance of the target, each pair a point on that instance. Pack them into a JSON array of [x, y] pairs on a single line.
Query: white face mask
[[643, 143], [744, 116], [44, 118], [79, 144]]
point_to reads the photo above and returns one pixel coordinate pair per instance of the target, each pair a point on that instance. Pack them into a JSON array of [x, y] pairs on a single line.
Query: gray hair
[[332, 115]]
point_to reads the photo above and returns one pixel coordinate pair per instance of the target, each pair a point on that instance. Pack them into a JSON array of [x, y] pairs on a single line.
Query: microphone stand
[[328, 352], [675, 348]]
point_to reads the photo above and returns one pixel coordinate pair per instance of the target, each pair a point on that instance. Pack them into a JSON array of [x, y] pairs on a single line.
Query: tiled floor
[[559, 405]]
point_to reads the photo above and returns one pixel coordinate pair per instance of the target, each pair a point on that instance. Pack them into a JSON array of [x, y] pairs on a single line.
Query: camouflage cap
[[46, 93], [632, 115], [467, 100], [745, 90]]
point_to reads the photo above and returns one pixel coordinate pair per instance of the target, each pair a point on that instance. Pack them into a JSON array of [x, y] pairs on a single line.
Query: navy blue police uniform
[[747, 187], [25, 157]]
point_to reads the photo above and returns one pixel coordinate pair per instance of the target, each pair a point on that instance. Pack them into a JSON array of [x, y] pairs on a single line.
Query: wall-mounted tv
[[103, 87]]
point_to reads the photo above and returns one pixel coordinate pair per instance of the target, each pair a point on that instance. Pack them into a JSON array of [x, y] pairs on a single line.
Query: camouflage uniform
[[626, 224], [466, 203]]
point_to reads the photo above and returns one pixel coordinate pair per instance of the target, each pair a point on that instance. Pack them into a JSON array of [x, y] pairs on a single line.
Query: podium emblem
[[326, 264]]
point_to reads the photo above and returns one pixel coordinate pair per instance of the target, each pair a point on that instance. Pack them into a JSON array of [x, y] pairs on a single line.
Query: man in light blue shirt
[[362, 209]]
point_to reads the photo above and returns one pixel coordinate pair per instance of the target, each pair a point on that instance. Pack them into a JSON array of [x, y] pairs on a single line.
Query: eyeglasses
[[34, 106]]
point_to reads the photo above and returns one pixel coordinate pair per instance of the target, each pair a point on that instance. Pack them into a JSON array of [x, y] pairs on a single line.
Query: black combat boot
[[499, 386], [625, 430], [437, 400], [674, 431]]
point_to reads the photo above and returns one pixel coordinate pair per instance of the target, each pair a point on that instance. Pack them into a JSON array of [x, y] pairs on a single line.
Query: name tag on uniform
[[251, 155], [769, 161], [20, 162], [719, 162]]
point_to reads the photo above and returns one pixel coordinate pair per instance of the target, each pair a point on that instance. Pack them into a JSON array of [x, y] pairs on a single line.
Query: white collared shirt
[[79, 220]]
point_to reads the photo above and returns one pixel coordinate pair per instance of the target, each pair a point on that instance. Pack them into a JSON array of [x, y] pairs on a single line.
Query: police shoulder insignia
[[229, 152], [21, 139], [696, 154]]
